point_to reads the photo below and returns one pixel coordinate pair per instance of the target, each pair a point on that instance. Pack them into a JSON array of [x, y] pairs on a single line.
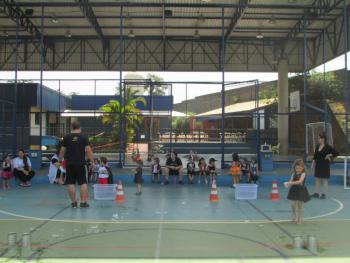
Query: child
[[103, 172], [95, 170], [202, 166], [191, 168], [298, 192], [212, 170], [235, 169], [63, 168], [253, 175], [110, 174], [138, 179], [54, 170], [156, 170], [245, 168], [6, 172]]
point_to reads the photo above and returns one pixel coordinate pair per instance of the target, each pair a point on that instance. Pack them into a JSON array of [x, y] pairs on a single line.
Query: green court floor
[[172, 224]]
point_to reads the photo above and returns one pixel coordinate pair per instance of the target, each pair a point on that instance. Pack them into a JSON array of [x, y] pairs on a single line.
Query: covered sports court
[[173, 223]]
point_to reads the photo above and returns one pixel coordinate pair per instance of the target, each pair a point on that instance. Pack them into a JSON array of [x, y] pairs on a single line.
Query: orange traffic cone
[[275, 196], [213, 193], [119, 198]]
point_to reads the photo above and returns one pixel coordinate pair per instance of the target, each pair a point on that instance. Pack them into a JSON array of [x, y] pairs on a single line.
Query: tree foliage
[[319, 87], [269, 93], [182, 124], [114, 113], [157, 88]]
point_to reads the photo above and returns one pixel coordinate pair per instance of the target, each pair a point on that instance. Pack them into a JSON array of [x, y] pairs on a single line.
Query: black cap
[[212, 160]]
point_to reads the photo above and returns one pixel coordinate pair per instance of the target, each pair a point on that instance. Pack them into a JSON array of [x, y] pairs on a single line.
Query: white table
[[346, 158]]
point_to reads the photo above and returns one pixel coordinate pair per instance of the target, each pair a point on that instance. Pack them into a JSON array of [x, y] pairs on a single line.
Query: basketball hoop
[[294, 99]]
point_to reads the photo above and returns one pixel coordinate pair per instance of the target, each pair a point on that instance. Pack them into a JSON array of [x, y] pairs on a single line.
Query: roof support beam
[[171, 4], [238, 14], [318, 8], [12, 10], [86, 9]]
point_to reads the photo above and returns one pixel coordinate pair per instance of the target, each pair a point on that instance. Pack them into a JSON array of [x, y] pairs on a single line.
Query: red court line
[[174, 248]]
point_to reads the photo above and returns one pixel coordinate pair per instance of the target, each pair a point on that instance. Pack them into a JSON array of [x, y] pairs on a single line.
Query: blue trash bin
[[266, 160], [35, 159]]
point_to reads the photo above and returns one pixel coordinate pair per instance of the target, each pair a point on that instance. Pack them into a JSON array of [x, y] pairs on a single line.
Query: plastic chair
[[276, 149]]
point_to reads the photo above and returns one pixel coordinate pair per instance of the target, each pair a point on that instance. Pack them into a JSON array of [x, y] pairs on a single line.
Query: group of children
[[242, 168], [205, 172], [100, 172]]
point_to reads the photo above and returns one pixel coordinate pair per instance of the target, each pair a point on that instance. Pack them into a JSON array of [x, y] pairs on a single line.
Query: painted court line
[[341, 207]]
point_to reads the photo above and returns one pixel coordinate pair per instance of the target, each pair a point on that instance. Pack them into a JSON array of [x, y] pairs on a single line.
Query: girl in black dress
[[138, 179], [298, 193], [323, 156], [191, 169], [212, 170]]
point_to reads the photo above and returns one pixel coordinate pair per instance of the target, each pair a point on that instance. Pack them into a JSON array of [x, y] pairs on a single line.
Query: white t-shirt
[[18, 163], [155, 169], [102, 172], [53, 169]]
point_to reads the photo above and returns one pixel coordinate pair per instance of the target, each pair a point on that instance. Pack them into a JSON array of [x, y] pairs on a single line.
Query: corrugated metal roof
[[185, 19], [238, 107]]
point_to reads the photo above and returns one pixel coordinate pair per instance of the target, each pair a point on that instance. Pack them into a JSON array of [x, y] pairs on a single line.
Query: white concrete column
[[283, 95]]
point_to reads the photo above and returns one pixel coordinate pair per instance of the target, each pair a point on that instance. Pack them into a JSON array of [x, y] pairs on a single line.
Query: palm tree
[[154, 87], [115, 113]]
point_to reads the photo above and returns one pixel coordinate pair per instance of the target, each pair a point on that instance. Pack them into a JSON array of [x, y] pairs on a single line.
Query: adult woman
[[324, 153], [23, 168]]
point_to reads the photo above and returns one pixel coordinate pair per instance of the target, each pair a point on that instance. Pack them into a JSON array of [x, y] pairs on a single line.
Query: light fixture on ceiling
[[196, 34], [54, 20], [201, 18], [131, 33], [68, 34], [206, 1], [272, 20], [259, 36], [128, 18], [4, 34]]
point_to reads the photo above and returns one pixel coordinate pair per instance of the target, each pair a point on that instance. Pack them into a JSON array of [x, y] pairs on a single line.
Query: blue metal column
[[121, 137], [188, 131], [41, 75], [14, 116], [258, 143], [346, 77], [222, 61], [95, 106], [171, 118], [59, 97], [324, 75], [125, 124], [59, 107], [305, 83]]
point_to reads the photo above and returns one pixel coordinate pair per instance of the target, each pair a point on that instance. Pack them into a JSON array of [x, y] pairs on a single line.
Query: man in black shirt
[[173, 167], [74, 148]]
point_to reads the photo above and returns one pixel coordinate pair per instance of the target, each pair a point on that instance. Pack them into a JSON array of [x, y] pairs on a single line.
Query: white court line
[[160, 232], [341, 207]]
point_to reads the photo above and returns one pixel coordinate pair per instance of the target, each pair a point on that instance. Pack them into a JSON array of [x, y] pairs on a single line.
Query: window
[[37, 118]]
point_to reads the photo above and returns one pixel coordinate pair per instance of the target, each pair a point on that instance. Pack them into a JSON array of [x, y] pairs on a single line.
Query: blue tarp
[[89, 102]]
